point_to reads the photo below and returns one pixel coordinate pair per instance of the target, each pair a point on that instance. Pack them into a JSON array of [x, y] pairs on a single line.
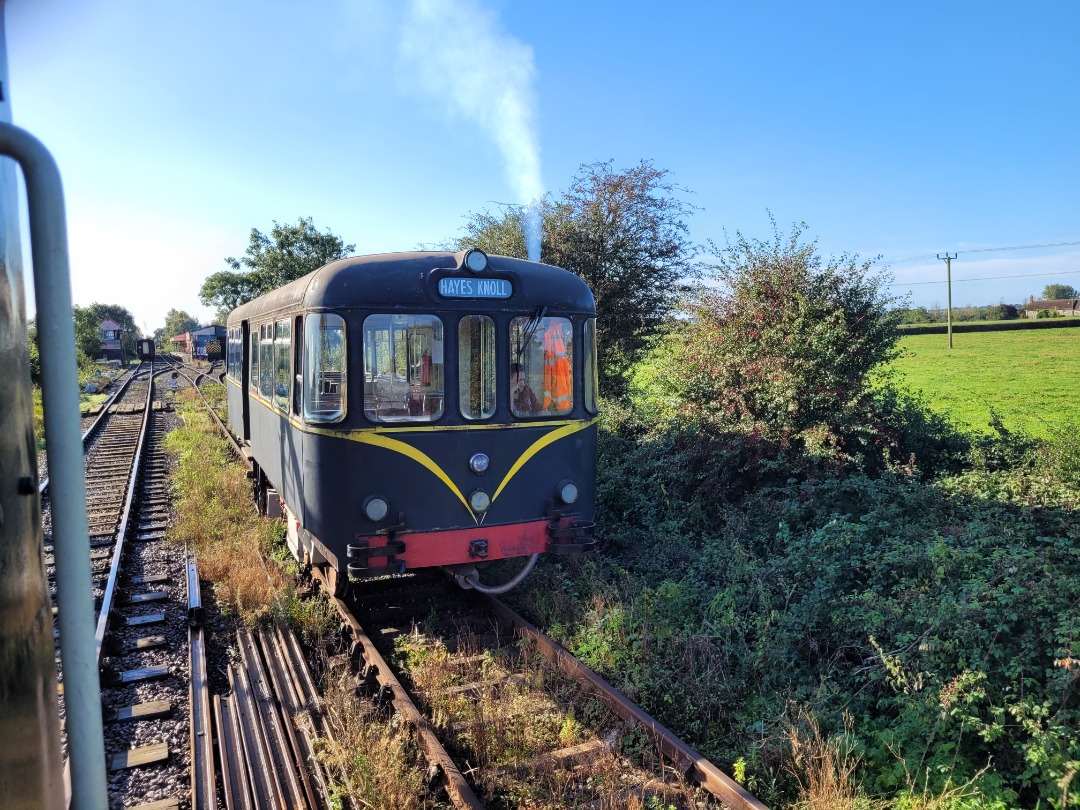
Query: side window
[[476, 367], [282, 364], [266, 360], [298, 365], [592, 384], [234, 352], [541, 367], [324, 368], [253, 360], [403, 368]]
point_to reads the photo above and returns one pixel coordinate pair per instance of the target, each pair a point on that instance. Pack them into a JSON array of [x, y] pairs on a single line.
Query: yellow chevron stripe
[[417, 456], [377, 438], [537, 446]]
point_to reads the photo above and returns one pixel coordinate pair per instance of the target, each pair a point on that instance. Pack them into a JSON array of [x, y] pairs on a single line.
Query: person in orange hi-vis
[[558, 388]]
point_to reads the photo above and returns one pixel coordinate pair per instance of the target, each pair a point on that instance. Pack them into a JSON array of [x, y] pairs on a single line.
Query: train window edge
[[592, 380]]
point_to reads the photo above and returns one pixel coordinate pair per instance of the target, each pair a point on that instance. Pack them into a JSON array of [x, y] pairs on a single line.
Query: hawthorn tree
[[624, 233], [289, 252], [788, 341]]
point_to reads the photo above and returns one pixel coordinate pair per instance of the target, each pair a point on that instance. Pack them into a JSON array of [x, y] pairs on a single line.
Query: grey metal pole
[[60, 396], [948, 278]]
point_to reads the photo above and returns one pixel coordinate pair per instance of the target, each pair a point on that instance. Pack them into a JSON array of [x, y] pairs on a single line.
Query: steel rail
[[262, 778], [459, 790], [231, 751], [693, 765], [271, 722], [43, 487], [203, 787], [125, 517], [289, 708]]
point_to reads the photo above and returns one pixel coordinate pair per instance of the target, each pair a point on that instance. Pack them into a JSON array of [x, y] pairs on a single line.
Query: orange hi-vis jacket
[[558, 387]]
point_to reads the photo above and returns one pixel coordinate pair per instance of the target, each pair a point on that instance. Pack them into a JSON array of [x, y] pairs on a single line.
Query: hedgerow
[[850, 576]]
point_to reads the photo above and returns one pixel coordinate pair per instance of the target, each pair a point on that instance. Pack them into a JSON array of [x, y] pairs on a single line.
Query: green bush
[[933, 601], [788, 344]]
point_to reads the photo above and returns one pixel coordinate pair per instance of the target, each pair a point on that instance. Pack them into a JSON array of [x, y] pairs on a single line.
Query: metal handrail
[[60, 397]]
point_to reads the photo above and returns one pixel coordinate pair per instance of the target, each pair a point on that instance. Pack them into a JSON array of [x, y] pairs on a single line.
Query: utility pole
[[948, 277]]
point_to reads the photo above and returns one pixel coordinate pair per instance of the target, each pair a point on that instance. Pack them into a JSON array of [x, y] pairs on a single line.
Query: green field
[[1030, 379]]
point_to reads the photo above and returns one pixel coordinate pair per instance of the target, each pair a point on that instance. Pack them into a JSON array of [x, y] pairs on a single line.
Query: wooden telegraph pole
[[948, 277]]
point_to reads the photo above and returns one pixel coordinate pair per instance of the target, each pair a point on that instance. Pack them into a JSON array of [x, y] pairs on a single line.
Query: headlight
[[568, 492], [476, 260], [376, 508], [480, 501], [479, 463]]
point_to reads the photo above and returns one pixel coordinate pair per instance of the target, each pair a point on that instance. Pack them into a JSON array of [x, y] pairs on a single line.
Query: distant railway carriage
[[415, 410], [146, 349]]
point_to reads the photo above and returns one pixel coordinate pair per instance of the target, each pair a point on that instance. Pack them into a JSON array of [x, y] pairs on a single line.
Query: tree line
[[992, 312]]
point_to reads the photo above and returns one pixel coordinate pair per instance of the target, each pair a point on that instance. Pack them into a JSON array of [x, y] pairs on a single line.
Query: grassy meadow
[[1030, 379]]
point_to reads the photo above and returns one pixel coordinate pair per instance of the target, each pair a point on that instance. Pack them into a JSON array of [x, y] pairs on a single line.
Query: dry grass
[[215, 518], [514, 714], [824, 766], [376, 757]]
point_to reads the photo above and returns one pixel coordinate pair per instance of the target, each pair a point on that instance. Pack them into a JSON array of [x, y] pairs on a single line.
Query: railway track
[[503, 714], [451, 663], [507, 716], [150, 660]]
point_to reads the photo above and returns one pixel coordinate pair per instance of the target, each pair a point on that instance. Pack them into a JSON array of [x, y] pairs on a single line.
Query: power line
[[985, 250], [986, 278]]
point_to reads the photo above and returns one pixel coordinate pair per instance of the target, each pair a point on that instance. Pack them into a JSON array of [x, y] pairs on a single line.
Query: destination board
[[458, 287]]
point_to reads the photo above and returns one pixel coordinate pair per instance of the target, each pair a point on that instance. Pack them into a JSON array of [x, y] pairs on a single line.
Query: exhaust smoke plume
[[460, 57]]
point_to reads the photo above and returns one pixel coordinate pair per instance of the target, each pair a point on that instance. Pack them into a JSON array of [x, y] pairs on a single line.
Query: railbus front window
[[403, 368], [476, 366], [324, 368], [541, 367]]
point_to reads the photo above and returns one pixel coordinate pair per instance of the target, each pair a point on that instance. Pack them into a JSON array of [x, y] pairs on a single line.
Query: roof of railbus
[[408, 280]]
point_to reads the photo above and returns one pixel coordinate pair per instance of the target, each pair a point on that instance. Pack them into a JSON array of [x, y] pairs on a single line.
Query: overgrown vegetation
[[818, 581], [215, 517], [372, 761]]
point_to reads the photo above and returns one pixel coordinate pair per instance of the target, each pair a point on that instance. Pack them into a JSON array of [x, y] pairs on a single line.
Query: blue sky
[[892, 129]]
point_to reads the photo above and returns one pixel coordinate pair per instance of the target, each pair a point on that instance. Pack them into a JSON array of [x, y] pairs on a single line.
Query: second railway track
[[142, 604]]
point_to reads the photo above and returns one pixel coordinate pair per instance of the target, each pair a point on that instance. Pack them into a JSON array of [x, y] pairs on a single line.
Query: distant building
[[181, 342], [1060, 306], [112, 341]]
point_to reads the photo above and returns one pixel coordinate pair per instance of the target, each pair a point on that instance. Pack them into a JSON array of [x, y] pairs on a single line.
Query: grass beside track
[[374, 759], [1030, 379]]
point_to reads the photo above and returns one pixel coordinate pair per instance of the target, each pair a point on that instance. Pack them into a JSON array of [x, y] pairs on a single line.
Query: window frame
[[402, 350], [591, 399], [282, 350], [465, 375], [313, 369], [537, 385]]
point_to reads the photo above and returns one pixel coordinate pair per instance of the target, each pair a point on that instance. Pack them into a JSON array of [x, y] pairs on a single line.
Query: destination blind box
[[472, 287]]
